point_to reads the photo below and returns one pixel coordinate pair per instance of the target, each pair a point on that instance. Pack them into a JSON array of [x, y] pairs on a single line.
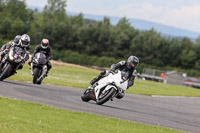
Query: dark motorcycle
[[38, 68], [11, 62]]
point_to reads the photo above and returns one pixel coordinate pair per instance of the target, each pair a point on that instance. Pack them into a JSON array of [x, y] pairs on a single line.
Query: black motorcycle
[[38, 68], [11, 62]]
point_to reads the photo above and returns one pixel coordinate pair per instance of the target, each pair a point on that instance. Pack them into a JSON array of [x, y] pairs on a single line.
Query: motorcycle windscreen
[[124, 82], [18, 50], [119, 80], [41, 58]]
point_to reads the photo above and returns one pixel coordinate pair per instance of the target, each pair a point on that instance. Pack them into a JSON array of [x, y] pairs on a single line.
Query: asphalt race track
[[172, 112]]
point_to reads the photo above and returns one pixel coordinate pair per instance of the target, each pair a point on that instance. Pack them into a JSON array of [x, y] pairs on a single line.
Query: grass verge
[[79, 77], [22, 117]]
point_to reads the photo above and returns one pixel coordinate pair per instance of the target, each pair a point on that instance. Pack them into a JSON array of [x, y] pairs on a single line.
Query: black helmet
[[132, 62], [17, 38]]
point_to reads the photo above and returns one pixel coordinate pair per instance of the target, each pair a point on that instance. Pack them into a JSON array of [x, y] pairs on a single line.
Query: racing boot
[[101, 75], [94, 80], [120, 95], [46, 74]]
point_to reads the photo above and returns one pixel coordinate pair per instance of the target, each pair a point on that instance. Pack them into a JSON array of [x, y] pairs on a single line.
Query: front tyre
[[36, 74], [6, 72], [106, 96], [86, 95]]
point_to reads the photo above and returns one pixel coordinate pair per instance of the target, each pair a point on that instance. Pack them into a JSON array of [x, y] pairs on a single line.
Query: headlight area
[[11, 57], [18, 60]]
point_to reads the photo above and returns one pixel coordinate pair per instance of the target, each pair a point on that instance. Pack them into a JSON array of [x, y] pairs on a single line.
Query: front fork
[[4, 58], [44, 70], [31, 68]]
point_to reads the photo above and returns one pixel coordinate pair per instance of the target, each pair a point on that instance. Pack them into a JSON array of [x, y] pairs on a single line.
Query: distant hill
[[147, 25], [141, 25]]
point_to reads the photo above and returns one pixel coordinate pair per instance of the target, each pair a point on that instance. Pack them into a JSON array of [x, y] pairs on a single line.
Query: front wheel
[[86, 95], [6, 72], [106, 96], [36, 74]]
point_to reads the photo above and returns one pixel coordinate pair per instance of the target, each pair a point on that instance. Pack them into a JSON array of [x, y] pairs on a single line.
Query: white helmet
[[17, 38], [24, 41], [44, 43]]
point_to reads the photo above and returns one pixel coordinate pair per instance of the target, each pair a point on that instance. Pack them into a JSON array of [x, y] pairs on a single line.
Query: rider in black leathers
[[128, 66], [45, 49], [23, 42]]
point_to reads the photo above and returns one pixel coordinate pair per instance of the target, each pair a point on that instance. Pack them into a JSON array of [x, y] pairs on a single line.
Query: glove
[[6, 50], [112, 71], [23, 61], [48, 59]]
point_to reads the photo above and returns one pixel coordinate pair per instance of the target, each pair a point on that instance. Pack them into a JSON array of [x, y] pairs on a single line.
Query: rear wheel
[[106, 96], [36, 73]]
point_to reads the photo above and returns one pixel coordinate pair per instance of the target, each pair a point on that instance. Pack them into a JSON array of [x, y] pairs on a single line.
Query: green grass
[[80, 77], [23, 117], [60, 75], [156, 88]]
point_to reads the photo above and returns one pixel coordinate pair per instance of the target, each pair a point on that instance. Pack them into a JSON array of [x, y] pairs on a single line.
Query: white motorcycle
[[106, 88]]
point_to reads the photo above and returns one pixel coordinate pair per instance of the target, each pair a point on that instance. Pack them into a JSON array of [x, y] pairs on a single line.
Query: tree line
[[88, 42]]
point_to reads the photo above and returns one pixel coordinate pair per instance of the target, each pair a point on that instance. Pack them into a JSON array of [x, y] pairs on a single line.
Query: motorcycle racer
[[45, 49], [23, 45], [24, 42], [129, 67]]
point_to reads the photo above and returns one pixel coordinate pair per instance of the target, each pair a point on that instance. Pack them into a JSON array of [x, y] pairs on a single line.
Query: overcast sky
[[183, 14]]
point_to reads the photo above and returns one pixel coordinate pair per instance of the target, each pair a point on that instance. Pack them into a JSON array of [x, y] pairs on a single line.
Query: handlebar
[[113, 72]]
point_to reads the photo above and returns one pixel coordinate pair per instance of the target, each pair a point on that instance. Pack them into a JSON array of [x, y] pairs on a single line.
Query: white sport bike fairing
[[106, 88]]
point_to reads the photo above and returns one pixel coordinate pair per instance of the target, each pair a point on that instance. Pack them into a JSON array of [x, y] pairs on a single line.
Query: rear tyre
[[105, 97], [86, 95]]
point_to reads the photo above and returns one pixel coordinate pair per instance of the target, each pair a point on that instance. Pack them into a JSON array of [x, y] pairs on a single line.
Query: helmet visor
[[25, 43], [134, 64], [45, 44]]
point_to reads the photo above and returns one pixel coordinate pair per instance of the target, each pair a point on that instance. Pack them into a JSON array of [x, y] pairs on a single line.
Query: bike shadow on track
[[113, 107], [23, 84]]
